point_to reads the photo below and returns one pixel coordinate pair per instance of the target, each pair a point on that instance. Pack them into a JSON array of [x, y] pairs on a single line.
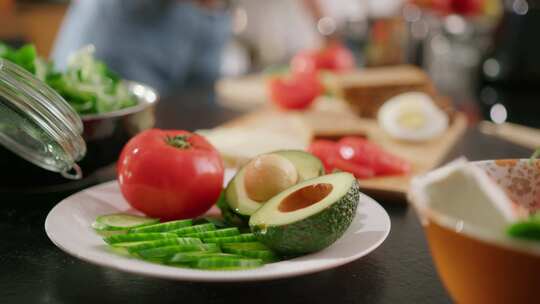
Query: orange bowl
[[482, 266]]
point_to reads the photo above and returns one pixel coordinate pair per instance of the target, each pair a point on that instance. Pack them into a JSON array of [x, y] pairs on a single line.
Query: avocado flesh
[[311, 228], [307, 165], [237, 206]]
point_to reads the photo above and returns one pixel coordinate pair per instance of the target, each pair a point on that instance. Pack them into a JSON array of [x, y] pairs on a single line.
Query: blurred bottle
[[510, 72], [514, 58], [387, 37], [447, 38]]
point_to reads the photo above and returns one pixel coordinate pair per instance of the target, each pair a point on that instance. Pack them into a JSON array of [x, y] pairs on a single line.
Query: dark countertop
[[400, 271]]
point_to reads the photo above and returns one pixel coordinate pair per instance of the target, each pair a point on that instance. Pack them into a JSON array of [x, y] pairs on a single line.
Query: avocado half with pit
[[309, 216], [235, 204]]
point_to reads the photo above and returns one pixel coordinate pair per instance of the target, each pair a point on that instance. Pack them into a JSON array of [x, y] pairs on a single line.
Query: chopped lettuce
[[87, 83], [24, 56]]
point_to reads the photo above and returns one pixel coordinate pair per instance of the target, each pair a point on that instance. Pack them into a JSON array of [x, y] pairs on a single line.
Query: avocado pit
[[305, 197], [268, 175]]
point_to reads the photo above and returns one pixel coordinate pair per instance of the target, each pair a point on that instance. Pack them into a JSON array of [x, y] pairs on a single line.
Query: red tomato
[[295, 92], [365, 153], [304, 62], [359, 171], [334, 57], [326, 151], [462, 7], [170, 174]]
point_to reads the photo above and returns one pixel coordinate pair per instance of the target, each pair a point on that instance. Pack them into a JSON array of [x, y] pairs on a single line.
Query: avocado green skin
[[231, 217], [315, 232]]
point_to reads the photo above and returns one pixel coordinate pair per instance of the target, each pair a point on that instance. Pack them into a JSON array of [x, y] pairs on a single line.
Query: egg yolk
[[411, 117]]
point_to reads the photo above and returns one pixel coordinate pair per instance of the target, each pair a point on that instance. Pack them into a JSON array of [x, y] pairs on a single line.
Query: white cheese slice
[[463, 191], [238, 144]]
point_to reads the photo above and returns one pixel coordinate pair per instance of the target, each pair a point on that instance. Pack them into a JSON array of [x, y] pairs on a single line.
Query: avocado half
[[236, 207], [309, 216]]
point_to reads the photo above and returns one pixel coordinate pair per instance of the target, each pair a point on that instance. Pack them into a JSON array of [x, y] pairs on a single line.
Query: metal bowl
[[105, 135]]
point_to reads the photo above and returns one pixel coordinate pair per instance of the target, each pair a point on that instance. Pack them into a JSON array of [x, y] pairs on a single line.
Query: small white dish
[[68, 227]]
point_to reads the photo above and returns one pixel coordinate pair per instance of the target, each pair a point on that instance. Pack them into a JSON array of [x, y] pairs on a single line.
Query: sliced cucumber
[[119, 251], [121, 221], [216, 221], [227, 263], [265, 255], [105, 233], [215, 233], [136, 246], [194, 229], [188, 257], [167, 251], [183, 244], [101, 229], [138, 237], [246, 246], [246, 237], [163, 227]]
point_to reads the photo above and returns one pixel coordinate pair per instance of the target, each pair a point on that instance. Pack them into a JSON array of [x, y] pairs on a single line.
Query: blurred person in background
[[171, 44], [167, 44], [273, 31]]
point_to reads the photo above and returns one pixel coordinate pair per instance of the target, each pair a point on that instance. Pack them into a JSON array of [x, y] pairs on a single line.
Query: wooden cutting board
[[327, 121]]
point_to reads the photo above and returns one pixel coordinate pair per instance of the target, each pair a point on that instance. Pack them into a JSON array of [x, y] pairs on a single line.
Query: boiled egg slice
[[412, 116]]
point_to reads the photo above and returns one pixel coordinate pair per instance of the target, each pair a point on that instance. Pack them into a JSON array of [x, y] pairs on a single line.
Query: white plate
[[68, 227]]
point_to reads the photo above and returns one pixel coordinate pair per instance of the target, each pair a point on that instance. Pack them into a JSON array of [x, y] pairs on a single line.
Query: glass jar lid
[[38, 124]]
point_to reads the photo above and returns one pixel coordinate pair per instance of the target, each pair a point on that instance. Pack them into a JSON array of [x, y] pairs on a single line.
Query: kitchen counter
[[400, 271]]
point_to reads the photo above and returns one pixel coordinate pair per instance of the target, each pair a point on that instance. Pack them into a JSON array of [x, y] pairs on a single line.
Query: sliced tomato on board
[[326, 151], [358, 156], [363, 152], [357, 170]]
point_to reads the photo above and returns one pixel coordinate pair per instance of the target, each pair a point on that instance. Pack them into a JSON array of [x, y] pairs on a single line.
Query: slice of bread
[[366, 90]]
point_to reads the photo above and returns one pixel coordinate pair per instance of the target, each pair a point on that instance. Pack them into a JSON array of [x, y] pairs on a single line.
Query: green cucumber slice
[[121, 221], [246, 237], [215, 233], [216, 221], [194, 229], [167, 251], [137, 237], [106, 233], [136, 246], [265, 255], [188, 257], [246, 246], [226, 263], [163, 227]]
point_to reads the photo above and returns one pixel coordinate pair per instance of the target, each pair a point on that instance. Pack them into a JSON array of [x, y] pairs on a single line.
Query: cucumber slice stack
[[182, 244]]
